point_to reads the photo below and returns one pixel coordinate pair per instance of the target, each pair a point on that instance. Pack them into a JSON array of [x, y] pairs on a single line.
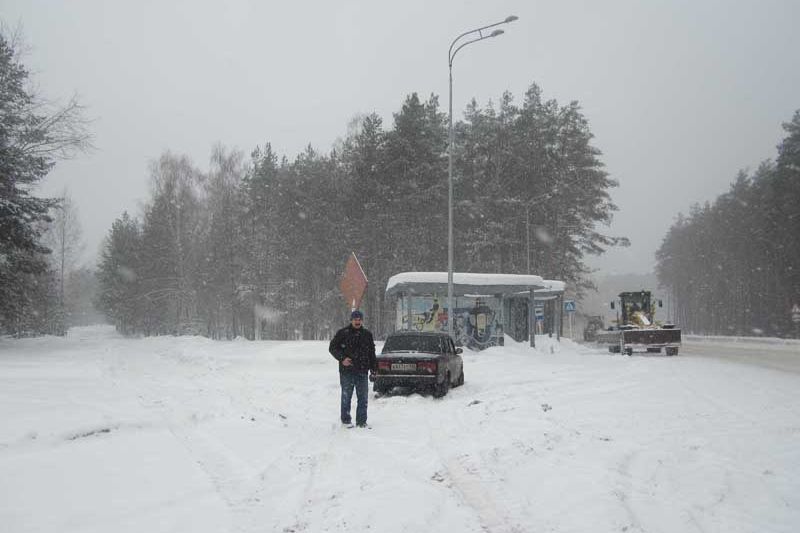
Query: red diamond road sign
[[353, 283]]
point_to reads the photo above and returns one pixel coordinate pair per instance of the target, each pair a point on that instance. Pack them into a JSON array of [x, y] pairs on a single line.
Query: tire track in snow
[[467, 481], [313, 461], [238, 483], [231, 477], [626, 490]]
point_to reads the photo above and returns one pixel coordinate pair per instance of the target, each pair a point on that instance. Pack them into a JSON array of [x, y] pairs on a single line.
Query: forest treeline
[[733, 265], [255, 246]]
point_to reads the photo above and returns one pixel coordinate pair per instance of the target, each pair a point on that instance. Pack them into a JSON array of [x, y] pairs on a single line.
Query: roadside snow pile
[[795, 343], [104, 433]]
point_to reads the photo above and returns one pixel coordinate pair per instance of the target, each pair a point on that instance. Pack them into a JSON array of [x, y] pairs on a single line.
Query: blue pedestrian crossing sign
[[569, 306]]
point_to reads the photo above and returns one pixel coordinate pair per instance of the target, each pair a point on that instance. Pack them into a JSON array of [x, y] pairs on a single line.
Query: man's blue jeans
[[349, 381]]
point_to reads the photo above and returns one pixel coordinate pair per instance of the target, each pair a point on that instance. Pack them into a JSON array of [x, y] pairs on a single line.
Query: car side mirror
[[459, 350]]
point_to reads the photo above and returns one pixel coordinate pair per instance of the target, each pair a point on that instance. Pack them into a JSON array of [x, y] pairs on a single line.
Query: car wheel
[[380, 389], [440, 389], [460, 378], [672, 350]]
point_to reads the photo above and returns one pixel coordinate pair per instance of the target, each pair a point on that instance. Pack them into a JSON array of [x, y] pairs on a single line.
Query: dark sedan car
[[427, 361]]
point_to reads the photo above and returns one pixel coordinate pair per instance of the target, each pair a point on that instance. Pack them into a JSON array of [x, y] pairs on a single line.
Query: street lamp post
[[473, 36]]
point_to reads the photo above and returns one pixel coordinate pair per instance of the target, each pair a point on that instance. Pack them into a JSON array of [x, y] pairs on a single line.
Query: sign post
[[538, 312], [353, 283], [569, 307]]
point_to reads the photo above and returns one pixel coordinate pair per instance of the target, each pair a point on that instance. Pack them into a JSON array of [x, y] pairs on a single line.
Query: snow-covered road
[[784, 356], [101, 433]]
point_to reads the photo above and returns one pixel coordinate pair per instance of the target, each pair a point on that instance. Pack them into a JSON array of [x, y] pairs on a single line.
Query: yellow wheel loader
[[636, 327]]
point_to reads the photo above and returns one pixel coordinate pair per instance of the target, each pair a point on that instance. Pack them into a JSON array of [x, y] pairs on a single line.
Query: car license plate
[[404, 366]]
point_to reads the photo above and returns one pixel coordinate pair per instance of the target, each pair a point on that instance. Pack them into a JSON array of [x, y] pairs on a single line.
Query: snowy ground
[[101, 433]]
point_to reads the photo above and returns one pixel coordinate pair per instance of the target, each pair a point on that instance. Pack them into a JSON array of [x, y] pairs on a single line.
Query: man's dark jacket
[[358, 345]]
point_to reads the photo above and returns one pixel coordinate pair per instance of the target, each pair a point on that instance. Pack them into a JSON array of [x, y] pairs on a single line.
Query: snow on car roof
[[466, 283]]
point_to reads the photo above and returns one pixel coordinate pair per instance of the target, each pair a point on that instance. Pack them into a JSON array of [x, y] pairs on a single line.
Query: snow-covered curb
[[742, 340]]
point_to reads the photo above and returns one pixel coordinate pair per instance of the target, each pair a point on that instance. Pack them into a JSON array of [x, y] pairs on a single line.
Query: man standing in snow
[[354, 348]]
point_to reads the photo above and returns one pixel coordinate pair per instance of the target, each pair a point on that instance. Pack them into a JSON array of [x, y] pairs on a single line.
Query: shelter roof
[[421, 283], [552, 289]]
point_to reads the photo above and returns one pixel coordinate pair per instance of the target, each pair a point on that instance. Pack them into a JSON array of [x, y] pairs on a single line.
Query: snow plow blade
[[649, 339], [652, 336]]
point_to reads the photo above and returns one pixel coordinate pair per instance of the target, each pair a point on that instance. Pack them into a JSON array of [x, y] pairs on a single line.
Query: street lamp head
[[495, 33], [511, 18]]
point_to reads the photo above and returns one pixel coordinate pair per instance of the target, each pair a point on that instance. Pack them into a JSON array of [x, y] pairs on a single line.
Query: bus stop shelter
[[482, 304]]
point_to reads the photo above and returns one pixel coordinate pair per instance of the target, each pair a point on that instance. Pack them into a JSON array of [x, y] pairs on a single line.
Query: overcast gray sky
[[679, 94]]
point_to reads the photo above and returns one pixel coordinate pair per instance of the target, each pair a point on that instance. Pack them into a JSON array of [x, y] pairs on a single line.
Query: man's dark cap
[[356, 314]]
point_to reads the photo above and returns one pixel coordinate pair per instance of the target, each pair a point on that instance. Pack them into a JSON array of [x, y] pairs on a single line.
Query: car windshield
[[413, 343]]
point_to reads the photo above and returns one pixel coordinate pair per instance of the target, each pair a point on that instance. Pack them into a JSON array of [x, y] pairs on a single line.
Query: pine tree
[[119, 275], [788, 193], [260, 230], [416, 174], [32, 138], [171, 253], [531, 188], [224, 298], [369, 215]]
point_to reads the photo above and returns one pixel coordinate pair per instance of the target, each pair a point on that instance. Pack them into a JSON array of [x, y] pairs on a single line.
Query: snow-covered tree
[[64, 238], [171, 250], [33, 136], [119, 274], [225, 299], [531, 189]]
